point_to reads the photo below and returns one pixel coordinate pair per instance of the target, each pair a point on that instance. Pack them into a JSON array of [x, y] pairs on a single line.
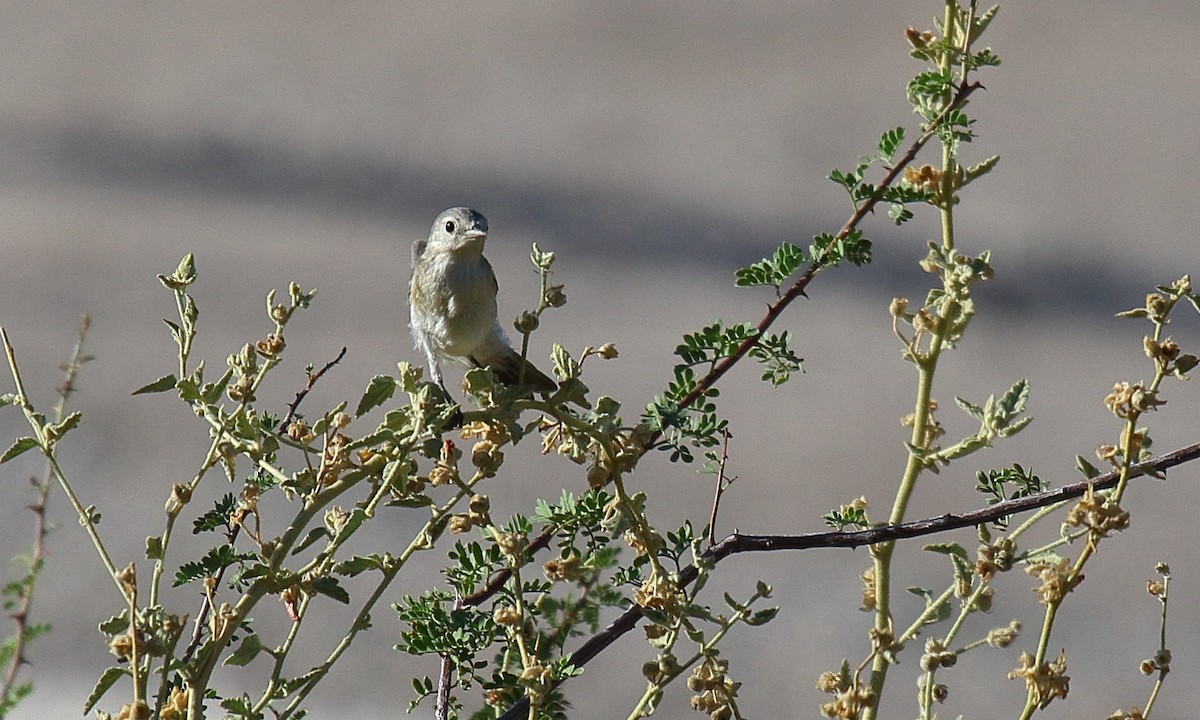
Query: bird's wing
[[491, 274], [506, 368], [418, 249]]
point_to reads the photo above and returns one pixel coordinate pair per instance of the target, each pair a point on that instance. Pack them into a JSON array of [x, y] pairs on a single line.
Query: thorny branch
[[738, 543], [775, 309], [20, 614], [312, 380], [441, 708], [293, 406]]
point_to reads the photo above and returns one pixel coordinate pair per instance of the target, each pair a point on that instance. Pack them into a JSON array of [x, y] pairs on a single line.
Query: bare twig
[[312, 380], [441, 708], [20, 614], [721, 485], [738, 543]]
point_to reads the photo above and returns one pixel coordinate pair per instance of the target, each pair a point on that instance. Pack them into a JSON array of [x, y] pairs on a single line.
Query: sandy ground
[[655, 147]]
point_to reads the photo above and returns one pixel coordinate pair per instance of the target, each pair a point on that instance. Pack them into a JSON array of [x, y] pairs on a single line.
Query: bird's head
[[459, 229]]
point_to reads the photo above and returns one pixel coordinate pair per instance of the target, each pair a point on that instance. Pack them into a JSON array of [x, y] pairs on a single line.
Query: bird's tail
[[506, 368]]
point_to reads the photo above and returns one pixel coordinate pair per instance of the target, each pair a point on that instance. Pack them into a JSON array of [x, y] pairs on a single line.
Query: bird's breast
[[461, 296]]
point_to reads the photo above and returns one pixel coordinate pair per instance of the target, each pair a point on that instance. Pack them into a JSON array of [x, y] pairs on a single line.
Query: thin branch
[[775, 309], [21, 614], [720, 489], [231, 537], [497, 581], [441, 707], [38, 424], [312, 380], [738, 543]]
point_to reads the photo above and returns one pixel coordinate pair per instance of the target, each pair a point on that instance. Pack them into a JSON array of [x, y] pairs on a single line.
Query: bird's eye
[[450, 226]]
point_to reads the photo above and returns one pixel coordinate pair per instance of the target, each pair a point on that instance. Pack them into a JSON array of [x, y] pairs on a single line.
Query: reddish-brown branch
[[20, 614], [312, 380], [738, 543], [775, 309]]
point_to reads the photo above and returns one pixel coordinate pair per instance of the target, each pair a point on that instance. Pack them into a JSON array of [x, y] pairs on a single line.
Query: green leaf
[[830, 250], [254, 571], [211, 392], [414, 501], [57, 430], [216, 518], [7, 399], [969, 408], [110, 676], [115, 624], [1014, 400], [980, 169], [952, 549], [422, 686], [657, 617], [154, 548], [249, 648], [217, 559], [565, 366], [1015, 427], [14, 696], [241, 706], [1042, 558], [330, 587], [982, 21], [163, 384], [761, 617], [899, 214], [189, 390], [983, 58], [846, 180], [779, 362], [963, 567], [176, 332], [356, 519], [890, 142], [772, 271], [930, 83], [359, 564], [19, 446], [541, 260], [921, 592], [1082, 465], [379, 390], [317, 533]]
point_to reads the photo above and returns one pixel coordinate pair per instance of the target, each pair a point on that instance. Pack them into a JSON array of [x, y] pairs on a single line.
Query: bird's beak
[[471, 241]]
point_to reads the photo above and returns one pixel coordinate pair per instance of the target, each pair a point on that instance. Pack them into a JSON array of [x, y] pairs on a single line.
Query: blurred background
[[655, 147]]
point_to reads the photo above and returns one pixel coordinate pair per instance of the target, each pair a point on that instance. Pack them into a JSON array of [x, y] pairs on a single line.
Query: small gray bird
[[452, 303]]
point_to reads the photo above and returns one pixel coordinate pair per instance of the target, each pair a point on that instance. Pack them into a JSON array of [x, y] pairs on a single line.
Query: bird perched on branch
[[452, 303]]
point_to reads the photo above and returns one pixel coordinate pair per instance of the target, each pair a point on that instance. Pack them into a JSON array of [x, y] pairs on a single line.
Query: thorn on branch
[[737, 543], [312, 380]]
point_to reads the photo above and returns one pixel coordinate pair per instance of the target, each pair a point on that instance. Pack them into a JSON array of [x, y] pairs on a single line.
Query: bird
[[452, 304]]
